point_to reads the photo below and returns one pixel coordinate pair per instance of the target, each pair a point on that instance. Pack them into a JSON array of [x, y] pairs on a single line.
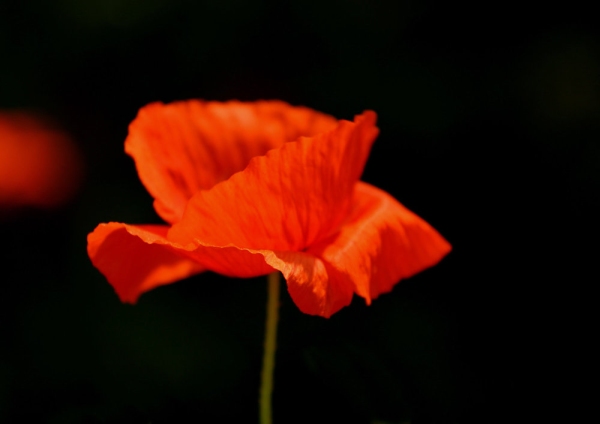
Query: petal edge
[[381, 243], [315, 288], [285, 200], [135, 259], [186, 146]]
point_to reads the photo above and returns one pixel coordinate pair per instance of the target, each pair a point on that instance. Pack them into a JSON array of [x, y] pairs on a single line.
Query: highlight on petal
[[135, 259], [285, 200], [40, 166], [380, 243], [182, 147]]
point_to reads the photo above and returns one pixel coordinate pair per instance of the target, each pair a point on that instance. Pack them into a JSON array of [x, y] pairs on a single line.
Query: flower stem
[[266, 386]]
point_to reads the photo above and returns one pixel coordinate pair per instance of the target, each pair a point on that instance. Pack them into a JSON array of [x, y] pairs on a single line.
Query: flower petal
[[135, 259], [285, 200], [182, 147], [381, 243], [315, 287]]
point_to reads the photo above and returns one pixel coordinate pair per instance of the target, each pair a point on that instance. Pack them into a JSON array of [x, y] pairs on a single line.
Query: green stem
[[266, 386]]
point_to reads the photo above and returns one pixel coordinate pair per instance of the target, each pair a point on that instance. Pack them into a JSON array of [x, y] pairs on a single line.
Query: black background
[[489, 118]]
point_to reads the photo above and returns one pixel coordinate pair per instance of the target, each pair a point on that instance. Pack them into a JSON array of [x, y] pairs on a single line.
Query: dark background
[[489, 118]]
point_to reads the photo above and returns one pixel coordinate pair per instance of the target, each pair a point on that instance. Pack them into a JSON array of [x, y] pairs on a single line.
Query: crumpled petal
[[137, 258], [186, 146], [314, 286], [285, 200], [380, 243]]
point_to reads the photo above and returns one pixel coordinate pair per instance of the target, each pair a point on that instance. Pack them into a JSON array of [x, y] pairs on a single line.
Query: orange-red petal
[[380, 243], [285, 200], [135, 259], [315, 287], [186, 146]]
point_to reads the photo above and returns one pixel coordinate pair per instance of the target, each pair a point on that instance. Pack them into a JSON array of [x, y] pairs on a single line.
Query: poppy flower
[[251, 188], [39, 165]]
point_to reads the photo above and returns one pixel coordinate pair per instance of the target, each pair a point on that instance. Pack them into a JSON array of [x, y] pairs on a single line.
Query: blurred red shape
[[40, 166]]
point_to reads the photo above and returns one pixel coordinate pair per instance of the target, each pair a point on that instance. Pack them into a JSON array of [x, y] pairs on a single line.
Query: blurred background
[[489, 118]]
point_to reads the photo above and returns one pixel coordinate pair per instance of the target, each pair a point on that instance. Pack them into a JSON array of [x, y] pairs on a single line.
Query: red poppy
[[39, 165], [250, 188]]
